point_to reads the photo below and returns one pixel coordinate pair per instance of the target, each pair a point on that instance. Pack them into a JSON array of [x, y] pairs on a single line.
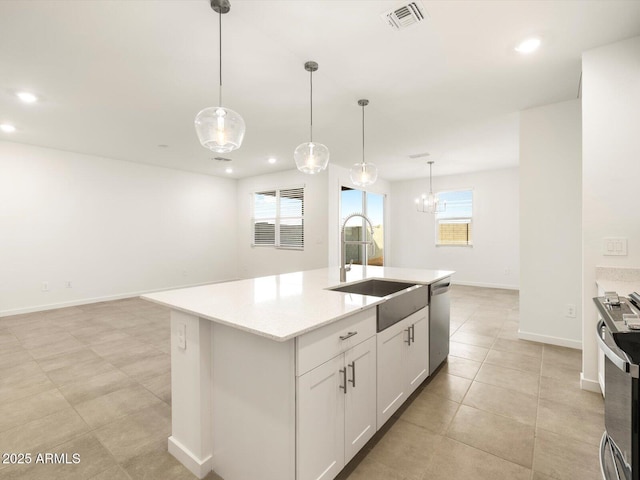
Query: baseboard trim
[[200, 468], [590, 385], [561, 342], [105, 298], [485, 285]]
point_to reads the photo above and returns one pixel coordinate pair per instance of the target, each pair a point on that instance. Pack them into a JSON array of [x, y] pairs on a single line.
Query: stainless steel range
[[619, 339]]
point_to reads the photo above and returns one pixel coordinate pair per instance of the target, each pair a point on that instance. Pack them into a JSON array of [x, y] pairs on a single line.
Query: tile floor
[[95, 380]]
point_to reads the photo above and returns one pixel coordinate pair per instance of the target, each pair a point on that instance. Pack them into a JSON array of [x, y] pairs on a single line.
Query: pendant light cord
[[430, 184], [311, 102], [220, 43], [363, 137]]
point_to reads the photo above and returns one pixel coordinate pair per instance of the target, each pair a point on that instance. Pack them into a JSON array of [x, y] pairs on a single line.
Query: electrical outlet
[[182, 336], [184, 273], [507, 271], [570, 310], [67, 284], [45, 286]]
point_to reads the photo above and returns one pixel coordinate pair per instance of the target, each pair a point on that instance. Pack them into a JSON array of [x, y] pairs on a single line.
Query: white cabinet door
[[418, 350], [392, 384], [320, 421], [360, 400]]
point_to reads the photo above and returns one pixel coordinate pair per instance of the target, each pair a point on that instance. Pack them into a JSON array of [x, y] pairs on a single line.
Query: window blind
[[278, 218]]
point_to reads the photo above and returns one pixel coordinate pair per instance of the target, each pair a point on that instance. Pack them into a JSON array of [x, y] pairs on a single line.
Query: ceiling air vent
[[404, 16], [222, 159]]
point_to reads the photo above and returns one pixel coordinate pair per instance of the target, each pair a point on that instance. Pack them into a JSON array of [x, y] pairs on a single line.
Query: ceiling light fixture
[[272, 160], [528, 45], [228, 170], [219, 128], [430, 203], [7, 128], [311, 157], [363, 174], [27, 97]]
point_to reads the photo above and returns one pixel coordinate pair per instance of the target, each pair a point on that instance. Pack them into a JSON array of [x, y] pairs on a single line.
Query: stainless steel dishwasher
[[439, 305]]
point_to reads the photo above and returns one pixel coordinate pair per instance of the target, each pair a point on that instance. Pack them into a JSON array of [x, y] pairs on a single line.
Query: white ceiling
[[119, 78]]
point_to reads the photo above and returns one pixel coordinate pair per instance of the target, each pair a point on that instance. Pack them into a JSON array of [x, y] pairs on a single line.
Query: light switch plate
[[614, 246]]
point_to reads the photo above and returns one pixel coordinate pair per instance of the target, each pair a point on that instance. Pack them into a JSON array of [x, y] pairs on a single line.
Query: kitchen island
[[264, 371]]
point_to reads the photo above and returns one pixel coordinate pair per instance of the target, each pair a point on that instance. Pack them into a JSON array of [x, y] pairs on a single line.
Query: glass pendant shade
[[311, 157], [430, 203], [363, 174], [220, 129]]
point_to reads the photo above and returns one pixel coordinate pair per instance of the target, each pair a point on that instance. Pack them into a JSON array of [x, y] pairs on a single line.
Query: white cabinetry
[[336, 400], [403, 362]]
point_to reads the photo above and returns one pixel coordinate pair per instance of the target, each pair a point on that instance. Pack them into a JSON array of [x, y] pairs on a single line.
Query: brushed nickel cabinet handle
[[348, 335], [353, 373], [343, 371]]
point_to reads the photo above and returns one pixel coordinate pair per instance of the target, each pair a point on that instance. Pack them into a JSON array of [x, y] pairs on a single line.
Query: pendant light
[[219, 128], [311, 157], [363, 174], [430, 203]]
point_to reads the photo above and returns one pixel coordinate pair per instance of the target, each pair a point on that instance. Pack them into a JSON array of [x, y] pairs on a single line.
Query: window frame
[[278, 219], [438, 221]]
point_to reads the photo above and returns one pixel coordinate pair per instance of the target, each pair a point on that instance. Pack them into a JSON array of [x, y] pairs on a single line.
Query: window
[[372, 204], [453, 226], [278, 218]]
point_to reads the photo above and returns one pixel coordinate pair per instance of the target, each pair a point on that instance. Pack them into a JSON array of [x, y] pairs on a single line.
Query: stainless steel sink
[[402, 298], [374, 287]]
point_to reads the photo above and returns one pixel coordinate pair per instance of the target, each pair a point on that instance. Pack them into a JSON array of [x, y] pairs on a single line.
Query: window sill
[[469, 245]]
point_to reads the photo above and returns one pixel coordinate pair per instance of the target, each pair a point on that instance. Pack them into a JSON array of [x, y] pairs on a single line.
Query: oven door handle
[[614, 353]]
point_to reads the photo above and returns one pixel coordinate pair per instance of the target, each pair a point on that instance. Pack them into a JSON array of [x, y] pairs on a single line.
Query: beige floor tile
[[431, 412], [453, 460], [523, 382], [480, 328], [7, 338], [502, 401], [448, 386], [157, 464], [43, 336], [64, 345], [569, 375], [407, 449], [563, 458], [93, 459], [113, 473], [36, 406], [44, 432], [558, 391], [571, 421], [137, 433], [122, 357], [160, 386], [104, 409], [568, 357], [514, 360], [69, 367], [541, 476], [369, 469], [461, 367], [522, 347], [18, 387], [94, 387], [470, 352], [149, 367], [13, 355], [501, 436], [473, 339]]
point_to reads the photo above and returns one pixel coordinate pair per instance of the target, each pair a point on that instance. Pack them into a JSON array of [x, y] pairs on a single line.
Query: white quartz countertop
[[285, 306], [622, 280]]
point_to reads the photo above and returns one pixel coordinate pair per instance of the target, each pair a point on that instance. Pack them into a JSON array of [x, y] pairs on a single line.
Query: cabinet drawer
[[318, 346]]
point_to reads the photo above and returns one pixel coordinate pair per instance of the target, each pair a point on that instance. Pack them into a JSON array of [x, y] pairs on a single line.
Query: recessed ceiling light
[[27, 97], [528, 45], [272, 160], [7, 128], [228, 170]]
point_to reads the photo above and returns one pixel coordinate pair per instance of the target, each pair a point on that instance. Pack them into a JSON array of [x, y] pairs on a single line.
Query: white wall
[[112, 228], [611, 169], [260, 261], [550, 223], [493, 260]]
